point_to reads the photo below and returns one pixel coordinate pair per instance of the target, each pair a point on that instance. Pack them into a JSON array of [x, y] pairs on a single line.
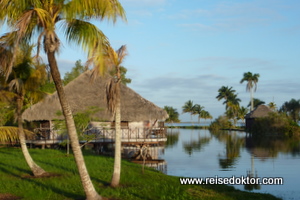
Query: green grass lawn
[[15, 180]]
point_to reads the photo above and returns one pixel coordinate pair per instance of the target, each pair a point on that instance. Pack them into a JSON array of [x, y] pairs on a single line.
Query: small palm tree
[[251, 86], [198, 110], [24, 82], [113, 59], [188, 107], [205, 115], [40, 18], [272, 106]]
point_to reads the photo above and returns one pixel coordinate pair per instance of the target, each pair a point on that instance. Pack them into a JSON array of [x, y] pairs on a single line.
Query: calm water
[[200, 153]]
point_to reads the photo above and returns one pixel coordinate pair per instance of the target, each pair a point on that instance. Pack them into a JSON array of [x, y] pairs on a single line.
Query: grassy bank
[[15, 180]]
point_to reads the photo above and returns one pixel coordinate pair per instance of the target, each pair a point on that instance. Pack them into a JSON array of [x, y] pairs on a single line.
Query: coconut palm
[[173, 114], [242, 113], [113, 59], [256, 103], [11, 134], [197, 110], [292, 109], [224, 93], [24, 82], [251, 86], [41, 17], [205, 115], [188, 107], [272, 106]]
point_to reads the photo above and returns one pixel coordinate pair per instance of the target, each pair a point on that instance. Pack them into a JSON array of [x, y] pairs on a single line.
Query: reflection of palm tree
[[233, 146], [251, 86], [195, 145], [172, 139]]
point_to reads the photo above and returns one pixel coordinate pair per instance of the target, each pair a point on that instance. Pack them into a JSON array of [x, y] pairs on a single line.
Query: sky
[[187, 50]]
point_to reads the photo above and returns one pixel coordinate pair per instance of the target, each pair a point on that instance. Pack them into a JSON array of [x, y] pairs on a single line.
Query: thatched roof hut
[[82, 94], [260, 111]]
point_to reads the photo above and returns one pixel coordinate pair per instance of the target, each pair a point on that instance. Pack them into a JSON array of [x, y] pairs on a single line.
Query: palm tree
[[24, 81], [197, 110], [113, 59], [205, 115], [173, 114], [272, 106], [256, 102], [251, 86], [224, 93], [40, 17], [11, 134], [242, 113], [292, 109], [188, 107]]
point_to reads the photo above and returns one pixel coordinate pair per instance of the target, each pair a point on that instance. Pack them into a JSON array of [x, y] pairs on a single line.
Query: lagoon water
[[200, 153]]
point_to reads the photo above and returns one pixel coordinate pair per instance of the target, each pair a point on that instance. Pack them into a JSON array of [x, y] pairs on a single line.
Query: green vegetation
[[222, 122], [15, 180], [276, 124], [173, 114], [196, 109]]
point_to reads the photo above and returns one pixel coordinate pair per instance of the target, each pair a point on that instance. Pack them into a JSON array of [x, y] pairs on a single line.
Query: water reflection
[[172, 138], [201, 153], [195, 144]]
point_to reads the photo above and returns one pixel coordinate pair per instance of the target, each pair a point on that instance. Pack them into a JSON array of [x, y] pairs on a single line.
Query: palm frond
[[10, 133], [91, 9]]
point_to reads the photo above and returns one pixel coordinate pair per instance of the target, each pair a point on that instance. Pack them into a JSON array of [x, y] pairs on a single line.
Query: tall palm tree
[[40, 17], [24, 82], [113, 59], [224, 93], [188, 107], [251, 86]]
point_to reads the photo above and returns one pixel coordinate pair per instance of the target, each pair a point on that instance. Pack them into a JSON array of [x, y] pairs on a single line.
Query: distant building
[[260, 111]]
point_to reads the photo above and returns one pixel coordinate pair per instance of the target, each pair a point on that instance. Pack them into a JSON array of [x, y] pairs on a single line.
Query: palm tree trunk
[[117, 162], [36, 170], [89, 189], [251, 98]]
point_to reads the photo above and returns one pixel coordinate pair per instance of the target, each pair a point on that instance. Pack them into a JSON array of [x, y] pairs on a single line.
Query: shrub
[[222, 122], [275, 124]]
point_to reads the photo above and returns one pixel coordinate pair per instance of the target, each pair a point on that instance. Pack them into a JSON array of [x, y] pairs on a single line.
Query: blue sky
[[186, 50]]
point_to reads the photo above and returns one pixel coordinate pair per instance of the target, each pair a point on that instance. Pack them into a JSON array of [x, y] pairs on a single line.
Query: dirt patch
[[9, 197]]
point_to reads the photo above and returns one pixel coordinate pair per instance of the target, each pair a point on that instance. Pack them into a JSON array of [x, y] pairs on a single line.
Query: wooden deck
[[102, 136]]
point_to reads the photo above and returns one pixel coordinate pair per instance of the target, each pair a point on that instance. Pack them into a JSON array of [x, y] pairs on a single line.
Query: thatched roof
[[260, 111], [82, 94]]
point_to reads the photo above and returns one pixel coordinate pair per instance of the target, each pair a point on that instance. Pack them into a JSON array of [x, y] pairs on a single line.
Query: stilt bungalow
[[142, 121]]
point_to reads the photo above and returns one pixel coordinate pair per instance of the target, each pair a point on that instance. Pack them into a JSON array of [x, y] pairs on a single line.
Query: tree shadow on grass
[[33, 180]]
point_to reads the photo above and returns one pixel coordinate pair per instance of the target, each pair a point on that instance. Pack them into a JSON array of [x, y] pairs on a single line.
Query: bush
[[222, 122], [275, 124]]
